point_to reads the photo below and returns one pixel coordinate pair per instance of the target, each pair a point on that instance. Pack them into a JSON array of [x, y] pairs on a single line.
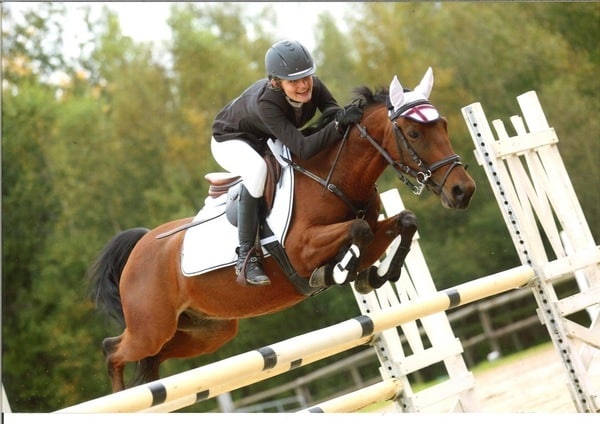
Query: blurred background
[[106, 127]]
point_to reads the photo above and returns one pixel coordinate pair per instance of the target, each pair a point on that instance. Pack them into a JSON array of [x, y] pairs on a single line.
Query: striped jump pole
[[352, 402], [251, 378], [203, 382]]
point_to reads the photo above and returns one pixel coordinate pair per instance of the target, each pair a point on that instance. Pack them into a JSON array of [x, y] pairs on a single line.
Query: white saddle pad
[[211, 245]]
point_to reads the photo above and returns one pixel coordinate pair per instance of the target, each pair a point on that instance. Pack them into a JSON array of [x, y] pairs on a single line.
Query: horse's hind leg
[[115, 370], [140, 345], [197, 337]]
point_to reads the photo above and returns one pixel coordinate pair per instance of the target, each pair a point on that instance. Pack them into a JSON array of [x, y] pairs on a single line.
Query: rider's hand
[[351, 114]]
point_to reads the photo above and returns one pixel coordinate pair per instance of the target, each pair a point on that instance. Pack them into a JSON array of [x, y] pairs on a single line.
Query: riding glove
[[351, 114]]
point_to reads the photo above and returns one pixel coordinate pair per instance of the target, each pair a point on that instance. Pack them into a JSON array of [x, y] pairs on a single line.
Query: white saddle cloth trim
[[211, 245]]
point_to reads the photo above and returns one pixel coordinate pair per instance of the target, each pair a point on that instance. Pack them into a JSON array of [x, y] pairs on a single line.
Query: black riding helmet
[[289, 60]]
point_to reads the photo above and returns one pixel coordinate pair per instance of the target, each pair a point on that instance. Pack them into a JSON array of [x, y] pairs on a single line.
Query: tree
[[28, 212], [336, 63]]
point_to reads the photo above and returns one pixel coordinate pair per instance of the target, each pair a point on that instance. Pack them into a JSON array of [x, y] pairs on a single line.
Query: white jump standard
[[537, 201]]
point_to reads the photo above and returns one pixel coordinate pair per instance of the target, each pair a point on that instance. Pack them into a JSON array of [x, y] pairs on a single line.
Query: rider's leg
[[248, 217], [240, 158]]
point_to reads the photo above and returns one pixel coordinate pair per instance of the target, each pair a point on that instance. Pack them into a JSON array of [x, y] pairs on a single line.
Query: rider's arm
[[282, 128]]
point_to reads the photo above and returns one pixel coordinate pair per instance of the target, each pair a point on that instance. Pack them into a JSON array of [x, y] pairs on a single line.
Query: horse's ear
[[426, 84], [396, 93]]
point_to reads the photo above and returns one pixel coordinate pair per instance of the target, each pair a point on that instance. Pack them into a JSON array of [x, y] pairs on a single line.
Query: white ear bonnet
[[413, 104]]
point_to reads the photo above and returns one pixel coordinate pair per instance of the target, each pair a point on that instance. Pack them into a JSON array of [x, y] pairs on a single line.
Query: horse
[[335, 235]]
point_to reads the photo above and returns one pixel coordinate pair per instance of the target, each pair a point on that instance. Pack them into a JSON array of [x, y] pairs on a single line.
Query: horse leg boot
[[248, 267], [344, 267]]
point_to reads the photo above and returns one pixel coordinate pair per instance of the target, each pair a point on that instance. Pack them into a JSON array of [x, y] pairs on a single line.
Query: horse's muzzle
[[458, 195]]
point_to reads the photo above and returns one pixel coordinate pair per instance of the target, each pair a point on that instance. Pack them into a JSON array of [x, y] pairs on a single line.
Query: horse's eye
[[414, 134]]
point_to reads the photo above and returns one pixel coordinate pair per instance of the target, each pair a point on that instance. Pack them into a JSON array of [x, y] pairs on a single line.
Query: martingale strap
[[359, 213]]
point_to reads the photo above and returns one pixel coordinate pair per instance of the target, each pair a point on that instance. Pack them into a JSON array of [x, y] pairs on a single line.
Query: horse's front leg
[[332, 251], [404, 225]]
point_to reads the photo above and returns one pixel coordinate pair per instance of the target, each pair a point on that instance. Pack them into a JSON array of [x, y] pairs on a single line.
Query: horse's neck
[[354, 169]]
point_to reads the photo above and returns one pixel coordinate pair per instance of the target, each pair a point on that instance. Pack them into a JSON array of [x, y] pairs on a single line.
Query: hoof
[[321, 277], [362, 285], [317, 278]]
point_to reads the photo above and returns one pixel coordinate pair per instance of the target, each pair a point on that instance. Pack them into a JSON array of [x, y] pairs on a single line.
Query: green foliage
[[118, 136], [28, 211]]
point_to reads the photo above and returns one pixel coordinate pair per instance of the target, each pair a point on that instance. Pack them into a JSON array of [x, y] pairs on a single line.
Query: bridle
[[422, 175]]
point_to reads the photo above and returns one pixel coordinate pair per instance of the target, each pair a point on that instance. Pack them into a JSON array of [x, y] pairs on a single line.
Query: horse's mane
[[364, 98]]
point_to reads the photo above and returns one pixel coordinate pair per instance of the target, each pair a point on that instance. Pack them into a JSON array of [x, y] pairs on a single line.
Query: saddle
[[214, 222], [221, 182]]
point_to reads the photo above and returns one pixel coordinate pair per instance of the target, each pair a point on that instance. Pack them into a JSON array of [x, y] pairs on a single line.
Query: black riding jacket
[[261, 112]]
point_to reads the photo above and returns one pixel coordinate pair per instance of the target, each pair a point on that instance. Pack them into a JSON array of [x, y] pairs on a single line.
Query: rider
[[272, 108]]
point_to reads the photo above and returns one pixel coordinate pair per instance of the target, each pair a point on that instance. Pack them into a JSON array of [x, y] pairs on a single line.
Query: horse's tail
[[105, 273]]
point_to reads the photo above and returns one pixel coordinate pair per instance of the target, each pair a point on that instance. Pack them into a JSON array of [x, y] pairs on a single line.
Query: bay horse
[[137, 278]]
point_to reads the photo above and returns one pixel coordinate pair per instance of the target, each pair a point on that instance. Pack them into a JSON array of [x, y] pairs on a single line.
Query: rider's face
[[299, 90]]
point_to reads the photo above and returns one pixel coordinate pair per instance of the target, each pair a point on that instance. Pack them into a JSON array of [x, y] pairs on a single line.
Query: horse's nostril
[[461, 194], [458, 192]]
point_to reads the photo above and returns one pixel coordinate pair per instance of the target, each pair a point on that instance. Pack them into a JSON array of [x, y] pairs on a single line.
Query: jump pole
[[251, 378], [200, 382], [351, 402]]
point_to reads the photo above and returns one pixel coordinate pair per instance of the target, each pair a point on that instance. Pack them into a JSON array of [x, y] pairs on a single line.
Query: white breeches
[[238, 157]]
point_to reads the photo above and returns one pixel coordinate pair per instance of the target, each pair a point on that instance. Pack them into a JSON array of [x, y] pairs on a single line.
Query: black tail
[[105, 272]]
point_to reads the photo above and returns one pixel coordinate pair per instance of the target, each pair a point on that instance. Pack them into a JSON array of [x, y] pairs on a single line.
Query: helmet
[[289, 60]]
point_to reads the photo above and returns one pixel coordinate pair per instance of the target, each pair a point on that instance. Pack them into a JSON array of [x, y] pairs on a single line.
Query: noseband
[[422, 175]]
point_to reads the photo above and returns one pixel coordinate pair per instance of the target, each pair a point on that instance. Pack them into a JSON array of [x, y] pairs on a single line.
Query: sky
[[146, 21], [295, 19]]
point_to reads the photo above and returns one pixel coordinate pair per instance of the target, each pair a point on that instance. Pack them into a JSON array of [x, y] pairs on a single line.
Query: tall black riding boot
[[248, 266]]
